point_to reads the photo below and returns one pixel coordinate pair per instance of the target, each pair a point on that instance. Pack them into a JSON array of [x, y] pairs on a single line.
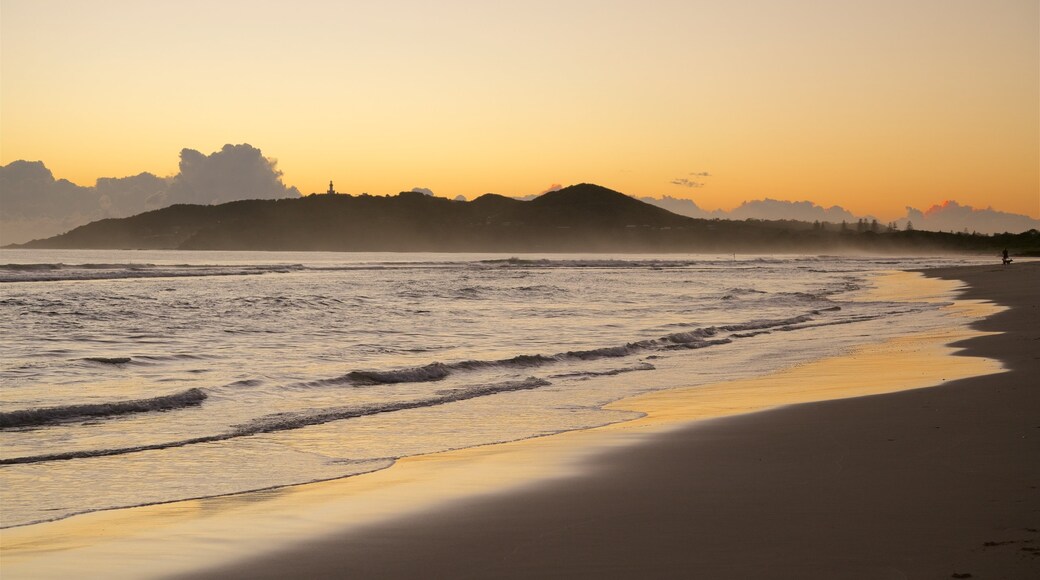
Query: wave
[[436, 371], [61, 414], [246, 383], [801, 326], [30, 267], [655, 263], [47, 272], [430, 372], [119, 360], [290, 420], [540, 288], [592, 263], [609, 373], [700, 344], [62, 272], [734, 293], [175, 357]]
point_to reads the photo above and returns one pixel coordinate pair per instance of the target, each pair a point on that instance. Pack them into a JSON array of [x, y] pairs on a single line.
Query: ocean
[[132, 378]]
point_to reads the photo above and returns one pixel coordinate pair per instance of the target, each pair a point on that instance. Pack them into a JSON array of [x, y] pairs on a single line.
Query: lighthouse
[[332, 190]]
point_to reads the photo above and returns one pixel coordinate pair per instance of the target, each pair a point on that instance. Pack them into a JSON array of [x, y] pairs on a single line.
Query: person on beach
[[1006, 259]]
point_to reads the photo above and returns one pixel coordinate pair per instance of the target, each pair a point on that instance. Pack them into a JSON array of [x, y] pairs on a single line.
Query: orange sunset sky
[[869, 105]]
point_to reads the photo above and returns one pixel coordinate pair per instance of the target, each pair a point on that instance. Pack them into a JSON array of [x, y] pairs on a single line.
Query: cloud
[[119, 196], [952, 216], [36, 205], [28, 190], [423, 190], [913, 215], [763, 209], [678, 205], [235, 172], [946, 216], [691, 183], [687, 182], [553, 187], [775, 209]]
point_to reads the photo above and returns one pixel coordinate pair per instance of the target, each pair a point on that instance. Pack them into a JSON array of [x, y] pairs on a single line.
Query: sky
[[873, 106]]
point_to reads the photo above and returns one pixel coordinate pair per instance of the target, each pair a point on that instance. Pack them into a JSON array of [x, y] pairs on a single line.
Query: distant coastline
[[579, 218]]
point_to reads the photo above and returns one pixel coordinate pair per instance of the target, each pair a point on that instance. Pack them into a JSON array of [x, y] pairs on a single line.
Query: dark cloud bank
[[33, 204]]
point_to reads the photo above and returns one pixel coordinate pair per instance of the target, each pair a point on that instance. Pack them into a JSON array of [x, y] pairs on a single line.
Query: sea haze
[[139, 377]]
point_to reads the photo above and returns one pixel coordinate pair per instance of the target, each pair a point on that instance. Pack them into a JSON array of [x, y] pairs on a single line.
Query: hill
[[579, 218]]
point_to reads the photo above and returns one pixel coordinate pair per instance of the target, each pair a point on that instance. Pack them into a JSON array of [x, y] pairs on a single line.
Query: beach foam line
[[197, 534]]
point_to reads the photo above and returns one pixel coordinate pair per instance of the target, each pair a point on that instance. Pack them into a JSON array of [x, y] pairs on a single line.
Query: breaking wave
[[693, 339], [289, 421], [51, 415], [430, 372]]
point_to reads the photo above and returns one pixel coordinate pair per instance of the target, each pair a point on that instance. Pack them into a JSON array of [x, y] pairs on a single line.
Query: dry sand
[[931, 483]]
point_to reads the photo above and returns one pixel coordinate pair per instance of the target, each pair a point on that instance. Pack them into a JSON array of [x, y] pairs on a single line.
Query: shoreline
[[831, 499], [486, 494]]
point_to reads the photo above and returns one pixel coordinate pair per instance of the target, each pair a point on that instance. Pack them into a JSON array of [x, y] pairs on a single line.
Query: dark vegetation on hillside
[[580, 218]]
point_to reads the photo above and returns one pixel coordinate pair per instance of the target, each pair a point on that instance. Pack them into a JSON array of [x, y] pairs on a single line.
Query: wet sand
[[931, 483]]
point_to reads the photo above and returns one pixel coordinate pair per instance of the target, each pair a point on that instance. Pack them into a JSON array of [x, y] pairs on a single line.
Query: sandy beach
[[929, 483], [926, 483]]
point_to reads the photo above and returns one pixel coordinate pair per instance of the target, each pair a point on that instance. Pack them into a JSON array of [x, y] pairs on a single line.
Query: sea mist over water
[[137, 377]]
